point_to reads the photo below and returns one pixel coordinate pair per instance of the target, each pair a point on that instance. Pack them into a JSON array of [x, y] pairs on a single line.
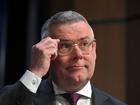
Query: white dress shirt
[[85, 93], [32, 82]]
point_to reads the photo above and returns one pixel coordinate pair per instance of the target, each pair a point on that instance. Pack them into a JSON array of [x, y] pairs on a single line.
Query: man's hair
[[61, 18]]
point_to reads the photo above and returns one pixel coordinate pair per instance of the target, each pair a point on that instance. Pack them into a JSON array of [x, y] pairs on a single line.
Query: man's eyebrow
[[72, 40], [64, 40], [87, 37]]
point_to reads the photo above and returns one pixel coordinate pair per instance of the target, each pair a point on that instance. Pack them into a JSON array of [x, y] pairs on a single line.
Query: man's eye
[[84, 43], [65, 45]]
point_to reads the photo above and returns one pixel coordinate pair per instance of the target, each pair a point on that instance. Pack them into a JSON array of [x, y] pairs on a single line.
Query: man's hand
[[42, 54]]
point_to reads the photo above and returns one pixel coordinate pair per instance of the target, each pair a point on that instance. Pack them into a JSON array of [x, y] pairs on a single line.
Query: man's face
[[73, 70]]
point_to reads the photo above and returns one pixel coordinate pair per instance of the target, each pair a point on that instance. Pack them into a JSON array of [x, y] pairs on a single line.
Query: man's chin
[[78, 84], [78, 79]]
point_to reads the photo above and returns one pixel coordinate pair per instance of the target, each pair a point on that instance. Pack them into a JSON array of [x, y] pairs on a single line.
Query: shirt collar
[[85, 91]]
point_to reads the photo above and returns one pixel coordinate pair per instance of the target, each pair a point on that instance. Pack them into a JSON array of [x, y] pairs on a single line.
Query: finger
[[54, 55], [48, 46], [49, 41]]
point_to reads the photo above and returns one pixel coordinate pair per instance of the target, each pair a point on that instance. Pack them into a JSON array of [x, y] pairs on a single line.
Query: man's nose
[[77, 52]]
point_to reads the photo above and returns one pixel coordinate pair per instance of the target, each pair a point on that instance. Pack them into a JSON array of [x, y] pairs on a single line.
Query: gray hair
[[61, 18]]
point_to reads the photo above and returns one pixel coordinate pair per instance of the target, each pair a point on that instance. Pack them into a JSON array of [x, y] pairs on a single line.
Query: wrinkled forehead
[[70, 29]]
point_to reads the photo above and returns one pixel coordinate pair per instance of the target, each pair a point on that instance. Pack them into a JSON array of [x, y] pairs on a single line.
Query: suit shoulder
[[16, 92], [103, 97]]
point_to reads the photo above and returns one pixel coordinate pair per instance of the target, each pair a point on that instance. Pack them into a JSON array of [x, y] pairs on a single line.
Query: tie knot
[[72, 98]]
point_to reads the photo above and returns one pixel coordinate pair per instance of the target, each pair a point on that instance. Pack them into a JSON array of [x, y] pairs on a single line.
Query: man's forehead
[[72, 37], [70, 32]]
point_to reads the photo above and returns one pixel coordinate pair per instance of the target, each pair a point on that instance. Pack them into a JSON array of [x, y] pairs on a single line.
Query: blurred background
[[116, 24]]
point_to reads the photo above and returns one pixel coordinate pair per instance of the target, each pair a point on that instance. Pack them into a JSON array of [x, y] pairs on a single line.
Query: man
[[67, 53]]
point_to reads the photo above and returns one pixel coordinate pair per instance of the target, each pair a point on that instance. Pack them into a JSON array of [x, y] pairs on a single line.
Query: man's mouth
[[77, 67]]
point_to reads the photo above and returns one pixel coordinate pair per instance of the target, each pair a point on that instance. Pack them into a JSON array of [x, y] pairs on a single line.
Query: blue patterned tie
[[72, 98]]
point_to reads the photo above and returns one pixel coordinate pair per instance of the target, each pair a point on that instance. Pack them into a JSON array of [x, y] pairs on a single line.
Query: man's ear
[[94, 49], [94, 46]]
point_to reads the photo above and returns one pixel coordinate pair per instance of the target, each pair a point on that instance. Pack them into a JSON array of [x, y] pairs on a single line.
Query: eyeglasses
[[65, 47]]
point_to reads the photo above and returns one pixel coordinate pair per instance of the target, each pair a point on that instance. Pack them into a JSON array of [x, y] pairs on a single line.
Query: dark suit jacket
[[18, 94]]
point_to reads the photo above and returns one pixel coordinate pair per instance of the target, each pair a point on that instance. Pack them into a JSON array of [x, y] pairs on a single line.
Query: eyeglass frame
[[74, 43]]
